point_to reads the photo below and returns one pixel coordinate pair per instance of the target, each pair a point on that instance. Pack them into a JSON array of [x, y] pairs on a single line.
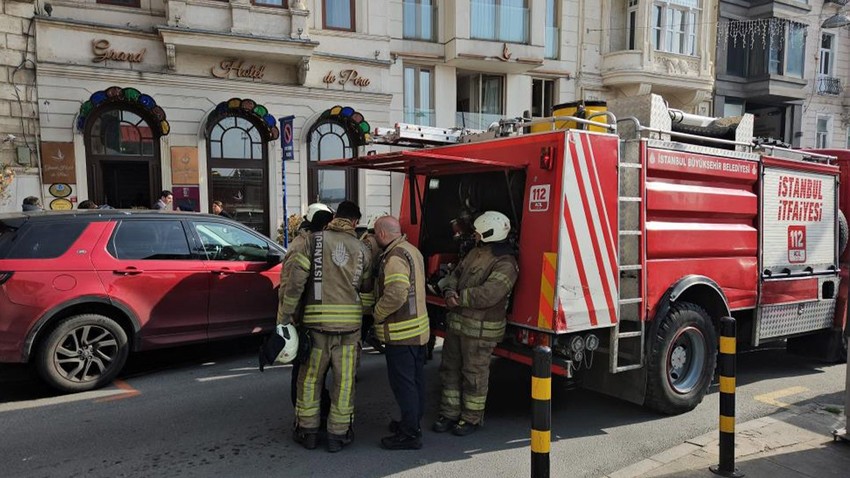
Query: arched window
[[329, 140], [238, 167], [119, 132], [121, 128], [122, 153]]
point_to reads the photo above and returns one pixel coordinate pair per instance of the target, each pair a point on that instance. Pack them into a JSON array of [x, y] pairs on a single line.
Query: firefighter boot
[[308, 438], [464, 428], [443, 424], [337, 442], [402, 441]]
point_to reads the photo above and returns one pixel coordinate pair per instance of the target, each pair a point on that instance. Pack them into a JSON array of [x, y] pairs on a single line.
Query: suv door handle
[[128, 271], [222, 271]]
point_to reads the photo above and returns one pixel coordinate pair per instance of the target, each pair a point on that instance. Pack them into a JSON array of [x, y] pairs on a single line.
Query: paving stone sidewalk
[[795, 443]]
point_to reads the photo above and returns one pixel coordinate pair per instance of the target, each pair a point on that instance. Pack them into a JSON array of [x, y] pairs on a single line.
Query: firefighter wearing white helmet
[[476, 294]]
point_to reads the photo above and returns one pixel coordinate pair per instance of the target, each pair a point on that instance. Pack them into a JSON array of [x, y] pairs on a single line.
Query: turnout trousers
[[406, 372], [339, 353], [465, 373]]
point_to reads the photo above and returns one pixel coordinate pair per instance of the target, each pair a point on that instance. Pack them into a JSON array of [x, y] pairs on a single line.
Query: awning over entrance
[[427, 162]]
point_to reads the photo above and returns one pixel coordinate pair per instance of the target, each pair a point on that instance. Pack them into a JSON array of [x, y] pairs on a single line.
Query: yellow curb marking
[[772, 397]]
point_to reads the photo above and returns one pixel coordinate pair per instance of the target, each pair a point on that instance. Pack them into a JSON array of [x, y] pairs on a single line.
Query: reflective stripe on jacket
[[328, 284], [483, 282], [401, 314]]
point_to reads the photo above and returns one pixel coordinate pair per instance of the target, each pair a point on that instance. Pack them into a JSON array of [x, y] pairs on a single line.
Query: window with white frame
[[542, 97], [827, 53], [847, 144], [674, 26], [823, 132], [631, 23], [418, 95]]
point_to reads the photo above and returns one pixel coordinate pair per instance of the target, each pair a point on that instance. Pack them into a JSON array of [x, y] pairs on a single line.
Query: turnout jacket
[[374, 250], [323, 276], [401, 314], [483, 281]]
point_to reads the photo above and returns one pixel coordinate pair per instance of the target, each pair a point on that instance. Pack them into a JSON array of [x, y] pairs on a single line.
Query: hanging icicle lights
[[760, 32]]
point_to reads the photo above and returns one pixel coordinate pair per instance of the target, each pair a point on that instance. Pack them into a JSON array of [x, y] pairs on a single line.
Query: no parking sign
[[286, 129]]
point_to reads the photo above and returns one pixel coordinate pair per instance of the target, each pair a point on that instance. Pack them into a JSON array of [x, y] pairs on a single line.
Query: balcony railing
[[488, 21], [469, 120], [420, 21], [552, 42], [420, 117], [829, 86]]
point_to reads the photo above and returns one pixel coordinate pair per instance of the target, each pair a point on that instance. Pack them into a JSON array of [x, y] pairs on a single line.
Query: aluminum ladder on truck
[[627, 336]]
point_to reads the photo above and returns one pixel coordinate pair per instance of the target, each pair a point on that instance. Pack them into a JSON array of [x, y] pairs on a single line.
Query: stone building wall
[[18, 157]]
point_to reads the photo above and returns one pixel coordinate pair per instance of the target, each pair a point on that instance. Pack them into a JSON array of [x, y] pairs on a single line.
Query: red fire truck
[[635, 237]]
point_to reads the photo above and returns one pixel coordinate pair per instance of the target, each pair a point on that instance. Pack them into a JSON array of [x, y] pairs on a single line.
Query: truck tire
[[843, 232], [681, 360], [83, 352]]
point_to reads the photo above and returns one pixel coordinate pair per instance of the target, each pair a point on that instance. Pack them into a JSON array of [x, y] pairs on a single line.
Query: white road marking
[[221, 377], [45, 402]]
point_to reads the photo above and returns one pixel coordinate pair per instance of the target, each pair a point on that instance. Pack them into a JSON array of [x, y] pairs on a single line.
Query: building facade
[[776, 61], [240, 101]]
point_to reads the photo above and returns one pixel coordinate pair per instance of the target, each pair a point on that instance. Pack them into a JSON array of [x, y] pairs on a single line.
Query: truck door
[[799, 252]]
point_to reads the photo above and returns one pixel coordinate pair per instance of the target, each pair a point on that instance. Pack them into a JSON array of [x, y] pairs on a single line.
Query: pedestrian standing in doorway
[[165, 200], [401, 322], [218, 209]]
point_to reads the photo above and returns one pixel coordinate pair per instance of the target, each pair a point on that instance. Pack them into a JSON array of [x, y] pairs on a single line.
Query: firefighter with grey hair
[[477, 294]]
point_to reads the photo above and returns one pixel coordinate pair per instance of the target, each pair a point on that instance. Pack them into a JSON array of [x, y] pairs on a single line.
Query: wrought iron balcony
[[837, 2], [829, 86]]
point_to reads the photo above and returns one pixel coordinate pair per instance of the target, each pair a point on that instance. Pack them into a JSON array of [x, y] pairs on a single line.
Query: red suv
[[80, 290]]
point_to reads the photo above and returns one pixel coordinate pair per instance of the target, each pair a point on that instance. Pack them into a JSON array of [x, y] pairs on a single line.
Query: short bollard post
[[726, 366], [541, 411]]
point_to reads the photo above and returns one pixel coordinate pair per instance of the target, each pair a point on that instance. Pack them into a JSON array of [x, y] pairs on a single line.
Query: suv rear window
[[42, 241]]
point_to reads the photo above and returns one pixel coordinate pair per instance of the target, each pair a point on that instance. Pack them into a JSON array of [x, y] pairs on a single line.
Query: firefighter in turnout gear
[[401, 322], [327, 274], [367, 333], [477, 294], [318, 216]]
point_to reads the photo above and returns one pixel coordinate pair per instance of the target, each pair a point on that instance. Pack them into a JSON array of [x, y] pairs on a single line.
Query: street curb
[[698, 443]]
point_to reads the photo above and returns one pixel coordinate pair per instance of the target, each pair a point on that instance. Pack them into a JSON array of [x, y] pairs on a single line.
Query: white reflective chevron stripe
[[587, 282]]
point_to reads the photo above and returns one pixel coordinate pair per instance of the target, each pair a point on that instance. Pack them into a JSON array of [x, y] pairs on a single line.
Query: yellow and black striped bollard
[[726, 366], [541, 411]]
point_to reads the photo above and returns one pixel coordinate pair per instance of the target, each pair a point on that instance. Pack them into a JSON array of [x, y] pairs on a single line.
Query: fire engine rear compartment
[[628, 241]]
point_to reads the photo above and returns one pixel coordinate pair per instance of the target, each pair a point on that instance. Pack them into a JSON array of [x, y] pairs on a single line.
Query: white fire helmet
[[493, 226], [314, 208], [290, 348]]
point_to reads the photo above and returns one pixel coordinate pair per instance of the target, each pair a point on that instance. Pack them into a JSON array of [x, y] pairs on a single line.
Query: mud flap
[[629, 386]]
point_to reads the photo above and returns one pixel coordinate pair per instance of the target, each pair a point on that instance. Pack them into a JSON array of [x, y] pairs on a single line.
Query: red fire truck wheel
[[681, 359]]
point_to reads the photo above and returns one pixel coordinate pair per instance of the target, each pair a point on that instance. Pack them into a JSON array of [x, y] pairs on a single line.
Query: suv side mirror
[[274, 257]]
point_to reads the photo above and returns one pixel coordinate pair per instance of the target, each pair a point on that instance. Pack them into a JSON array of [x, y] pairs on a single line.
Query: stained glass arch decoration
[[144, 104], [249, 109], [353, 122]]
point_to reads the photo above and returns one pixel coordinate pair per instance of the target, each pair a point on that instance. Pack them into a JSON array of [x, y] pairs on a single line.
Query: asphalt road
[[206, 411]]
